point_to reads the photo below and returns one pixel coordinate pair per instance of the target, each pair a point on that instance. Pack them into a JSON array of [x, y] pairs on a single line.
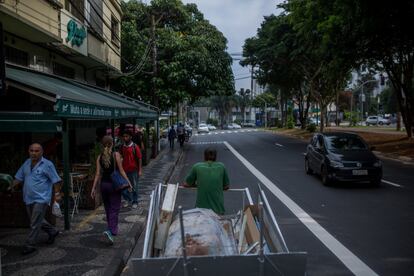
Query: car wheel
[[367, 124], [380, 123], [325, 178], [307, 168]]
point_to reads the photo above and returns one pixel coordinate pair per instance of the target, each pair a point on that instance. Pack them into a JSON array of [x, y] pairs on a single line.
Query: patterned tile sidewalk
[[83, 250]]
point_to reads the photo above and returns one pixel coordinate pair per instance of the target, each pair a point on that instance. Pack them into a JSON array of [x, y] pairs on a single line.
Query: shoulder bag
[[118, 181]]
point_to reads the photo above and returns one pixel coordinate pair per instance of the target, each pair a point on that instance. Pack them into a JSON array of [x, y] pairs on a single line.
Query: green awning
[[75, 100], [29, 122]]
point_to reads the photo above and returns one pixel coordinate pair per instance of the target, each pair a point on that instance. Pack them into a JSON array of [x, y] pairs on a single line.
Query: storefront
[[36, 106]]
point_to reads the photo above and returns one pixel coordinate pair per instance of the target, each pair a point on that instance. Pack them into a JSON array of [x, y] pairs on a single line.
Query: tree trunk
[[323, 112]]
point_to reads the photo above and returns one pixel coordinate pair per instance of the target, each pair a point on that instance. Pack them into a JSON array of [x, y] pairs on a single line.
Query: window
[[63, 70], [115, 31], [16, 56], [77, 8], [95, 15]]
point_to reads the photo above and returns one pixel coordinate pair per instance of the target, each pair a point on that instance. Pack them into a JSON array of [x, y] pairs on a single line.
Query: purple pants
[[112, 204]]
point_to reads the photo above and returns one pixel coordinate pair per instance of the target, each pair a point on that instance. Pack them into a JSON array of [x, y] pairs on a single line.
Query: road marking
[[392, 183], [352, 262], [206, 143], [304, 153], [277, 144]]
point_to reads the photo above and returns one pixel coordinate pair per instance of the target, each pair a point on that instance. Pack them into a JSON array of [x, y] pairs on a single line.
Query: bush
[[213, 122], [311, 128], [239, 122]]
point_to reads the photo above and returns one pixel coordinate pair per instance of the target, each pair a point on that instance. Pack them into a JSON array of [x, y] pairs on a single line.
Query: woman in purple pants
[[105, 165]]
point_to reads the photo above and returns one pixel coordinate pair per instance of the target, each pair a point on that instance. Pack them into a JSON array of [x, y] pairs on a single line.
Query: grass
[[389, 144]]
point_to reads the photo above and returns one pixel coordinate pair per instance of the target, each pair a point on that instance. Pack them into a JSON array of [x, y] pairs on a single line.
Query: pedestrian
[[180, 134], [171, 136], [132, 164], [211, 178], [106, 163], [38, 175]]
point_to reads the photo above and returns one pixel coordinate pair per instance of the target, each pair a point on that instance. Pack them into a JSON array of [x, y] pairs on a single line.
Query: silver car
[[377, 120], [203, 128]]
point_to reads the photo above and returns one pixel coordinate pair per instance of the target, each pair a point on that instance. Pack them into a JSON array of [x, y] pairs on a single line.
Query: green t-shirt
[[210, 178]]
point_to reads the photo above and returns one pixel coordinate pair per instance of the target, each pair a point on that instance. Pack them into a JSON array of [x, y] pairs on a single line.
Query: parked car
[[339, 156], [314, 121], [235, 126], [211, 127], [248, 124], [377, 120], [203, 128]]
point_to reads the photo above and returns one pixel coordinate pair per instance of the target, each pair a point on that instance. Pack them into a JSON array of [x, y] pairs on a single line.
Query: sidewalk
[[83, 250]]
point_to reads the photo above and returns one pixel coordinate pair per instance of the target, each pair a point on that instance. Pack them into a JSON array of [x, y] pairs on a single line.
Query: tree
[[223, 105], [375, 33], [188, 60], [243, 100]]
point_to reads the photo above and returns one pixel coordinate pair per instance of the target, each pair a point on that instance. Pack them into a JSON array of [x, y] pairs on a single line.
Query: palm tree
[[223, 105]]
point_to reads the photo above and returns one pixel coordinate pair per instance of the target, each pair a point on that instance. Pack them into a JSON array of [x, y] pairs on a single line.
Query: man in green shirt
[[210, 178]]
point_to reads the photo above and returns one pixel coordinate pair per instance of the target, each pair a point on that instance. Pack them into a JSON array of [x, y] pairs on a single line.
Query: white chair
[[76, 187]]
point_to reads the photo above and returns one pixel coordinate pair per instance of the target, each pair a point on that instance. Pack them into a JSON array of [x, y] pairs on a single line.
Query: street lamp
[[362, 98]]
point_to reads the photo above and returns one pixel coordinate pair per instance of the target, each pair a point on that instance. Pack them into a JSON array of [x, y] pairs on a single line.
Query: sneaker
[[134, 205], [125, 204], [108, 235], [52, 238]]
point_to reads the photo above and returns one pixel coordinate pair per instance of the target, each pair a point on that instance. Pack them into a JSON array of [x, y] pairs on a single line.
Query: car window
[[344, 143]]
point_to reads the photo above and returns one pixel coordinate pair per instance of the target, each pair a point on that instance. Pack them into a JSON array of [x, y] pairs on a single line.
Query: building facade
[[75, 39]]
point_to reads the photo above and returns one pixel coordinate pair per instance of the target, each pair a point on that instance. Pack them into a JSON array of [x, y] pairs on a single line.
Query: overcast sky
[[237, 20]]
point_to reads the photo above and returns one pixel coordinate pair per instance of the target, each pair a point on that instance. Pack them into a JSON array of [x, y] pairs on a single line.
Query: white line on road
[[277, 144], [391, 183], [352, 262]]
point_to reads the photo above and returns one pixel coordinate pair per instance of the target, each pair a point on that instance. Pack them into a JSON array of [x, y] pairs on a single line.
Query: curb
[[134, 237], [171, 170], [122, 255]]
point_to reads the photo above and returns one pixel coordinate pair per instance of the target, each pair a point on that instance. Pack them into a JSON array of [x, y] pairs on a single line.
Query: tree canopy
[[310, 48], [191, 57]]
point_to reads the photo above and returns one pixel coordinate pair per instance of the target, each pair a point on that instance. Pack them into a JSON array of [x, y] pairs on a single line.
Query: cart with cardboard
[[183, 240]]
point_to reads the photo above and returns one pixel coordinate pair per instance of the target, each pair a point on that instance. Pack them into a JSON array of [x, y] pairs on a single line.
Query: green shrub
[[211, 121]]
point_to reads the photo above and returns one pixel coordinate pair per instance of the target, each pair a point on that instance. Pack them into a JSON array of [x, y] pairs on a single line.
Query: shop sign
[[76, 35], [73, 109]]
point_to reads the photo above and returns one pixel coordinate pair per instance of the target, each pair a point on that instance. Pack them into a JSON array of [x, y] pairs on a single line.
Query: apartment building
[[75, 39]]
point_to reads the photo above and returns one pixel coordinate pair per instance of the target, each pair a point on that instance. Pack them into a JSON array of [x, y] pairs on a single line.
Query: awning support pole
[[66, 169]]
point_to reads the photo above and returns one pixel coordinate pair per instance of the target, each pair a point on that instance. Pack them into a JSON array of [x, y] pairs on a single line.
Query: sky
[[237, 20]]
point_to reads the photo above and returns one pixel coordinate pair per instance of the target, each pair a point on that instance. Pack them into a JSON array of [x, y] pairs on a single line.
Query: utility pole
[[154, 62]]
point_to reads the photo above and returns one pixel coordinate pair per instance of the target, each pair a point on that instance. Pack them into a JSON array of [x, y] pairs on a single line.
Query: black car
[[339, 156]]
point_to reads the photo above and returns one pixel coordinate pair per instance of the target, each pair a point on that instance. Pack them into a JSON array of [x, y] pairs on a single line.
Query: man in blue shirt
[[38, 175]]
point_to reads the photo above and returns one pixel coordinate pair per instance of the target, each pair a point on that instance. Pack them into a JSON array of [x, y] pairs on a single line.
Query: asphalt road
[[371, 230]]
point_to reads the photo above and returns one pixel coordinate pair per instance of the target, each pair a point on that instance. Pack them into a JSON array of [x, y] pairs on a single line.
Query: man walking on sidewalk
[[132, 164], [38, 175]]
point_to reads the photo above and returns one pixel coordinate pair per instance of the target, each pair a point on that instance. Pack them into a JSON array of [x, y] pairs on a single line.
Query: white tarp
[[205, 234]]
